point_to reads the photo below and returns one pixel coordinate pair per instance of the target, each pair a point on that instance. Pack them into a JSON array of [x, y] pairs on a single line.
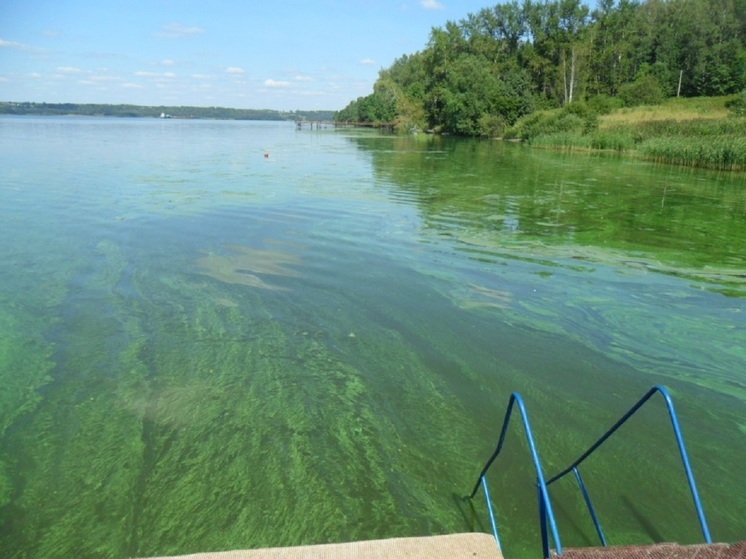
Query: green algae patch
[[328, 357], [207, 426], [480, 297], [284, 430], [25, 366], [244, 265]]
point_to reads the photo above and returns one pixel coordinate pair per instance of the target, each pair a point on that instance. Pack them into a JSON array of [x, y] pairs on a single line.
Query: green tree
[[614, 46], [480, 74]]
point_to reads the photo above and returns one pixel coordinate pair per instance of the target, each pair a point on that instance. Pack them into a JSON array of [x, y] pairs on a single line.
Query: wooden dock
[[380, 125], [319, 124]]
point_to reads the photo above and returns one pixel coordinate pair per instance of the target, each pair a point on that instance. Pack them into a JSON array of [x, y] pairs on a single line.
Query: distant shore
[[141, 111]]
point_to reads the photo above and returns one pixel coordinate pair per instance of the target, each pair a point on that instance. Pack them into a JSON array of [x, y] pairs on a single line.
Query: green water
[[204, 348]]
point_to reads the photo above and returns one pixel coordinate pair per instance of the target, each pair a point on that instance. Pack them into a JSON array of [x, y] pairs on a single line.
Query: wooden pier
[[319, 124]]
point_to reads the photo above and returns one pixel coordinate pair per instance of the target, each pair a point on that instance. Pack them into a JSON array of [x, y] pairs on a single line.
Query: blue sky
[[269, 54]]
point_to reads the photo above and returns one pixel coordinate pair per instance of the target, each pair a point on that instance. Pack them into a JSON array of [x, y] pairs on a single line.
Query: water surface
[[204, 348]]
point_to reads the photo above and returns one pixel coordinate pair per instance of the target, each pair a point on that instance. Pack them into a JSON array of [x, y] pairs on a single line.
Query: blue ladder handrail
[[545, 506], [682, 451]]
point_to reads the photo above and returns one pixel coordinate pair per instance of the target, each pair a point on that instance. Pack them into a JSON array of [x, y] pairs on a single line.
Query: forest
[[478, 76]]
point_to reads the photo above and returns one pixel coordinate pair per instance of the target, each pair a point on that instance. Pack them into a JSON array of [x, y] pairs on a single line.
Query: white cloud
[[177, 30], [130, 85], [69, 70], [431, 5], [368, 62], [156, 77], [201, 77], [303, 79], [105, 78], [235, 70], [275, 83], [167, 62], [17, 46]]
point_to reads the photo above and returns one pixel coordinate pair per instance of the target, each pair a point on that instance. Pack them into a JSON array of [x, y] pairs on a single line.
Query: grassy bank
[[699, 132]]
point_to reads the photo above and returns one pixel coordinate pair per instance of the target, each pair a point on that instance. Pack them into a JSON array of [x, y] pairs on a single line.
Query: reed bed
[[727, 154], [563, 140]]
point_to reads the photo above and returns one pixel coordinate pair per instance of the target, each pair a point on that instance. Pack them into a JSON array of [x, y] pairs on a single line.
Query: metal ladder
[[546, 514]]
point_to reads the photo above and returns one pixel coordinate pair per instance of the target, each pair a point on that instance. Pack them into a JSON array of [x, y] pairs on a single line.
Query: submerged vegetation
[[243, 264], [224, 351], [549, 73]]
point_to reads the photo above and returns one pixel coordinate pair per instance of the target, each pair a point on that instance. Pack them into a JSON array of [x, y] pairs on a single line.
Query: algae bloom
[[244, 265]]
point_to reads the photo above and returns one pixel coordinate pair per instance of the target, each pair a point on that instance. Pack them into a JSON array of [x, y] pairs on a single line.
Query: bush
[[575, 118], [645, 90], [604, 104], [737, 106], [491, 126]]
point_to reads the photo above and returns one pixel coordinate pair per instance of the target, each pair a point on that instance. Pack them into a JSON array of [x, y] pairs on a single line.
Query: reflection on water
[[598, 209], [206, 349]]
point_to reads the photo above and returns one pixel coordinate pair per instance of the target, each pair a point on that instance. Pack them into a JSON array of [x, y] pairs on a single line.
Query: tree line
[[481, 74], [139, 111]]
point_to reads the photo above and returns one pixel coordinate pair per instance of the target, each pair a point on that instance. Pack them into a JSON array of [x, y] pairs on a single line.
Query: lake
[[221, 335]]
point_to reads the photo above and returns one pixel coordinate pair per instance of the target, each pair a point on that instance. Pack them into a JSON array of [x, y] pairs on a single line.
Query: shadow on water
[[473, 521], [581, 536], [647, 524]]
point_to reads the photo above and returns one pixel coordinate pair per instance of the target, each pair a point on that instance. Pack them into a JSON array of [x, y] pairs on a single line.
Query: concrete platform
[[470, 546], [453, 546]]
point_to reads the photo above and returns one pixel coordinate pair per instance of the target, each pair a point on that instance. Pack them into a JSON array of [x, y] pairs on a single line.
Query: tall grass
[[690, 132], [562, 140], [728, 154], [672, 109], [612, 140], [701, 128]]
